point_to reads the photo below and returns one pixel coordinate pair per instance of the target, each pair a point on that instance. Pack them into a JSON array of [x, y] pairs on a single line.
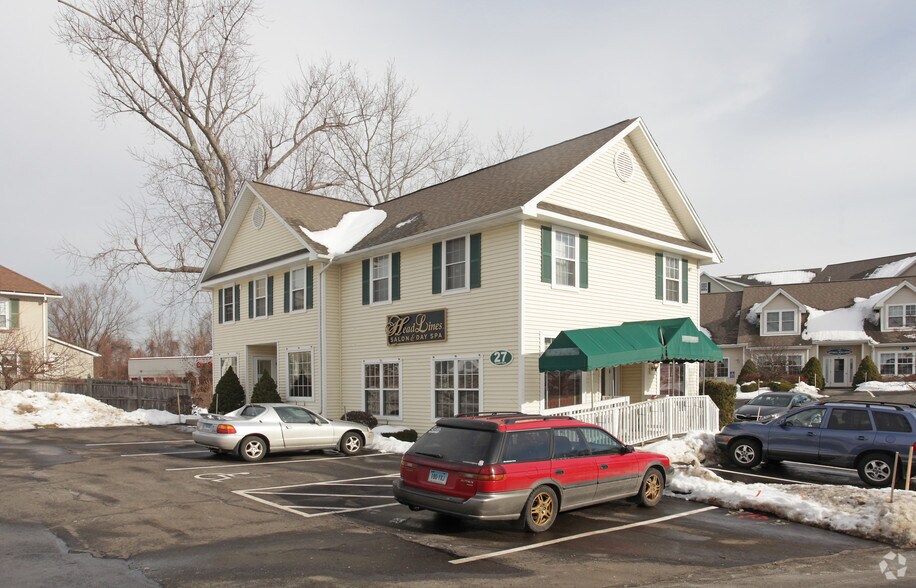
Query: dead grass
[[25, 408]]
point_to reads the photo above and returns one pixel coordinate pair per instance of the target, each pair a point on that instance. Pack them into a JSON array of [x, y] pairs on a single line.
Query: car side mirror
[[628, 449]]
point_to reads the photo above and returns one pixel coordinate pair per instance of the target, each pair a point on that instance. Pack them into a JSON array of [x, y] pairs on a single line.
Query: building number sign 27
[[501, 357]]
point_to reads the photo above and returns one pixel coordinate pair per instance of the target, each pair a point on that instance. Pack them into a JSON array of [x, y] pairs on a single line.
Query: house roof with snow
[[892, 266], [13, 283]]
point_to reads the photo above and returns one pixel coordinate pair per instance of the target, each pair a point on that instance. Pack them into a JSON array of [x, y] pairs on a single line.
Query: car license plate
[[437, 477]]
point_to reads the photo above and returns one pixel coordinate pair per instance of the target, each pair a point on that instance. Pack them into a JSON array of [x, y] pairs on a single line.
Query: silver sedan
[[255, 430]]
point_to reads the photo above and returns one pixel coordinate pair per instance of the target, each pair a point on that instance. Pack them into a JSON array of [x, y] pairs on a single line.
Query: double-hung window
[[565, 258], [228, 361], [456, 386], [780, 322], [672, 279], [381, 278], [717, 369], [4, 313], [456, 262], [382, 387], [896, 364], [901, 316], [299, 372], [297, 289], [260, 297], [229, 302]]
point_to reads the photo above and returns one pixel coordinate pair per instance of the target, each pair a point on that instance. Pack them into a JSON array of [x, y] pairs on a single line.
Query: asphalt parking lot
[[149, 505]]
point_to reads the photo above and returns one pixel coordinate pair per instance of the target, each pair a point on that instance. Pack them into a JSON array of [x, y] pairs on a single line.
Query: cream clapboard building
[[441, 302]]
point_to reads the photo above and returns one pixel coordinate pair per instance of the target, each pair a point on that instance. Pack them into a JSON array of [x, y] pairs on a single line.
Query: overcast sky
[[790, 125]]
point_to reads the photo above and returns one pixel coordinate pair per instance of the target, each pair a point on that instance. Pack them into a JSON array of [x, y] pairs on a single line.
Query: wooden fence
[[124, 394]]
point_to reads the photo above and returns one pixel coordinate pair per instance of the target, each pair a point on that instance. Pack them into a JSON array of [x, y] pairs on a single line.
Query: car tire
[[252, 448], [351, 443], [876, 470], [540, 509], [651, 488], [745, 453]]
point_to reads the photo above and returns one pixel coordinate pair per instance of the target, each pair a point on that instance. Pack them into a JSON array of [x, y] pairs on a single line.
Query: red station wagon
[[505, 466]]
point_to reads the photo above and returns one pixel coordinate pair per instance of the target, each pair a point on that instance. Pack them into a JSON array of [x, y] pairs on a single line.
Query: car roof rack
[[897, 405], [495, 413], [538, 417]]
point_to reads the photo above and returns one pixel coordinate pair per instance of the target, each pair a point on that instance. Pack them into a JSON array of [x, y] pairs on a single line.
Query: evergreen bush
[[723, 394], [408, 435], [780, 386], [867, 372], [265, 390], [750, 387], [749, 372], [362, 417], [814, 373], [229, 394]]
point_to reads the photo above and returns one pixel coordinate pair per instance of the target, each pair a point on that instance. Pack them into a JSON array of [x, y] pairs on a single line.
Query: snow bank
[[389, 444], [886, 387], [31, 410], [781, 278], [352, 228], [693, 449]]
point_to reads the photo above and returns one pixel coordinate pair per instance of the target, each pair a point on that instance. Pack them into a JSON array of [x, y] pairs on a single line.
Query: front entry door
[[839, 371], [260, 364]]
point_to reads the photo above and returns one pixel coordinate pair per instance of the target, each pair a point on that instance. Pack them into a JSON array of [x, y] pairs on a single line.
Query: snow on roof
[[890, 270], [843, 324], [780, 278], [352, 228]]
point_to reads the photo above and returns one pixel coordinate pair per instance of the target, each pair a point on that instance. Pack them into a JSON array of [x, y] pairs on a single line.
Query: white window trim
[[765, 332], [896, 353], [680, 279], [222, 308], [554, 257], [887, 316], [305, 272], [432, 381], [372, 300], [6, 325], [467, 266], [224, 356], [311, 350], [254, 304], [381, 400]]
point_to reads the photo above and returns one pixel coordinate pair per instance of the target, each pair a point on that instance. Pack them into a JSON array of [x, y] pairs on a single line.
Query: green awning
[[634, 342]]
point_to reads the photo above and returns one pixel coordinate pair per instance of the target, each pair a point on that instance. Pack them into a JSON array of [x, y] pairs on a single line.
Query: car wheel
[[252, 448], [650, 491], [745, 453], [351, 443], [876, 470], [540, 509]]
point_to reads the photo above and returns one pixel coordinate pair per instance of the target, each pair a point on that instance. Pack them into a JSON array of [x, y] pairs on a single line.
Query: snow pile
[[352, 228], [32, 410], [389, 444], [780, 278], [843, 324], [890, 270], [886, 387], [693, 449], [806, 388]]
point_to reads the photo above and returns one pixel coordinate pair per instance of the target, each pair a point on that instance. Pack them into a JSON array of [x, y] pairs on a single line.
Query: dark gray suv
[[849, 434]]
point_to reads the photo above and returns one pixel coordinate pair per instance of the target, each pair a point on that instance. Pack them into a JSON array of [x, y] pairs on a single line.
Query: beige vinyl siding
[[598, 190], [621, 288], [31, 321], [252, 245], [902, 296], [279, 331], [479, 322], [74, 363]]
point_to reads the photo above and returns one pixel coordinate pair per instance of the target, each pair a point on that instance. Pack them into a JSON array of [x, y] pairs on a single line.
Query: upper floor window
[[456, 264], [671, 278], [260, 297], [565, 258], [456, 259], [779, 322], [381, 278], [4, 313], [227, 304], [297, 289], [901, 316]]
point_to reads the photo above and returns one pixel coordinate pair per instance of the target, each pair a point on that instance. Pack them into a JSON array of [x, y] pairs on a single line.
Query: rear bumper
[[504, 506], [215, 440]]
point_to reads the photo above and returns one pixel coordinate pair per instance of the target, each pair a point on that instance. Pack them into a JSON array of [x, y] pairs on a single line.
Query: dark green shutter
[[475, 260], [583, 261], [685, 283], [270, 295], [659, 276], [14, 314], [309, 287], [396, 275], [219, 307], [546, 255], [237, 302], [286, 277], [366, 281], [437, 268], [251, 299]]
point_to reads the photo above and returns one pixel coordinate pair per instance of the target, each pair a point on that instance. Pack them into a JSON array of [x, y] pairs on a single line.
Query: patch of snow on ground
[[693, 449], [886, 387], [890, 270], [30, 410], [352, 228], [842, 324], [806, 388], [781, 278], [389, 444]]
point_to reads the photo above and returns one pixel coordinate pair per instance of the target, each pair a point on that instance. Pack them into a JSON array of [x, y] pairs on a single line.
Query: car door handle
[[861, 437], [604, 466], [559, 472], [811, 433]]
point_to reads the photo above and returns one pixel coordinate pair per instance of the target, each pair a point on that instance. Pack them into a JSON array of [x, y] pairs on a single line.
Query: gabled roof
[[502, 189], [886, 297], [904, 264], [14, 282]]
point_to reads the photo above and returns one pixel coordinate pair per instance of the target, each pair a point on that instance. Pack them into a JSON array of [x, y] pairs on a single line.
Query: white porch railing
[[661, 418]]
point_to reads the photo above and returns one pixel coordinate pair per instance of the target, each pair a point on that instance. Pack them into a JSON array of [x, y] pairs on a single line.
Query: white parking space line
[[762, 477], [163, 453], [138, 443], [256, 494], [493, 554], [317, 494], [273, 463]]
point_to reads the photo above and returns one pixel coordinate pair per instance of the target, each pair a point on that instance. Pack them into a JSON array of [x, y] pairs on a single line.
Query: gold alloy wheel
[[542, 509], [653, 487]]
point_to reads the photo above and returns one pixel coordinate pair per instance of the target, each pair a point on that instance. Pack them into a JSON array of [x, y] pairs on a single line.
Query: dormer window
[[780, 322], [901, 316]]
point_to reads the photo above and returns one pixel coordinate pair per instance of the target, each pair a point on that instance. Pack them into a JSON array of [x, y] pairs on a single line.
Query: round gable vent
[[623, 165], [257, 218]]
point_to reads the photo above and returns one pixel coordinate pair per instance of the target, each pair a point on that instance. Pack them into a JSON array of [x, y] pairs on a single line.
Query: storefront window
[[672, 379], [562, 389]]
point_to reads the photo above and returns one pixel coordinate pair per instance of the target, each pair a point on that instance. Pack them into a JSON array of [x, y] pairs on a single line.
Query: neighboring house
[[839, 322], [173, 370], [24, 329], [442, 301]]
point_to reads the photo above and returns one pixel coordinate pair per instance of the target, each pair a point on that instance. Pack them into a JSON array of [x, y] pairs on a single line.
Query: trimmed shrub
[[813, 373], [750, 387], [265, 390], [229, 394], [723, 394], [780, 386], [408, 435], [867, 372], [360, 416], [749, 372]]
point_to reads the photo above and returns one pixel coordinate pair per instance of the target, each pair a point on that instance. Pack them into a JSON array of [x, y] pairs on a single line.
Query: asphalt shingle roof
[[11, 281]]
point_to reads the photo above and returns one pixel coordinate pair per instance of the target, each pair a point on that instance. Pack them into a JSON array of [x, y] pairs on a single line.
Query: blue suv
[[848, 434]]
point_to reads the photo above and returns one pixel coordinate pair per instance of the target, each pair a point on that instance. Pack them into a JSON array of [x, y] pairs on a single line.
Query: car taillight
[[494, 473], [226, 429], [407, 466]]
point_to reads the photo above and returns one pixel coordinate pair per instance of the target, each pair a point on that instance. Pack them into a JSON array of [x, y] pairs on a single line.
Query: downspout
[[322, 335], [44, 328]]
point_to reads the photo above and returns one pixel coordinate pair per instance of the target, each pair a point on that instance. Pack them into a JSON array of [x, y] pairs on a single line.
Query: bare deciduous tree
[[89, 313], [162, 339], [23, 358]]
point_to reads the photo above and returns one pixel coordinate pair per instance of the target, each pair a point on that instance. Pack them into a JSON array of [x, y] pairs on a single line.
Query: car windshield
[[767, 400], [469, 446]]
